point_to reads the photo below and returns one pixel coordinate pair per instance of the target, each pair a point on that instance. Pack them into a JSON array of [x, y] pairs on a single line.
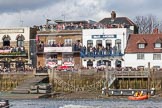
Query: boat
[[138, 97], [4, 104]]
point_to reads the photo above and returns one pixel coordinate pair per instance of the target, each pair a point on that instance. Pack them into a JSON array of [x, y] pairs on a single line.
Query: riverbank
[[65, 96], [79, 95]]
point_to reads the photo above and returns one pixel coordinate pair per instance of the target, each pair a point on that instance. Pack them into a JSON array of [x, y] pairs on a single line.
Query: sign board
[[68, 63], [16, 30], [51, 64], [57, 49], [104, 36]]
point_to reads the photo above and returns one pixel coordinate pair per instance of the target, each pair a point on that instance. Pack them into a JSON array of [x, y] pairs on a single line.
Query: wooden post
[[107, 79], [148, 82], [52, 79]]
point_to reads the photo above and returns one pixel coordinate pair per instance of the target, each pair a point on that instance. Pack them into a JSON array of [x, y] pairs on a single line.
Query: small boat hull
[[138, 98]]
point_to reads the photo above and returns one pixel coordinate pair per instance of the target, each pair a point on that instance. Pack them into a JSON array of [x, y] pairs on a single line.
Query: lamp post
[[123, 41]]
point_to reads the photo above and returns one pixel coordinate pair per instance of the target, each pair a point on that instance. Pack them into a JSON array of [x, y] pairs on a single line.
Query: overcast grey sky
[[35, 12]]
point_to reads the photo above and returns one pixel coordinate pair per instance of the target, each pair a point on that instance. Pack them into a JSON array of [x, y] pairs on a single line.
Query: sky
[[35, 12]]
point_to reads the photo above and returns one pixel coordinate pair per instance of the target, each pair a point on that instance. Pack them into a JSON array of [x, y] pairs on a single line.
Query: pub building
[[59, 44], [14, 48]]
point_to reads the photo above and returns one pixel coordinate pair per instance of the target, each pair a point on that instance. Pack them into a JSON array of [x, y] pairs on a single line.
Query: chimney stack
[[155, 31], [113, 15]]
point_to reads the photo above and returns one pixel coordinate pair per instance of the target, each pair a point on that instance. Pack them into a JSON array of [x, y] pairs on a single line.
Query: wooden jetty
[[128, 92]]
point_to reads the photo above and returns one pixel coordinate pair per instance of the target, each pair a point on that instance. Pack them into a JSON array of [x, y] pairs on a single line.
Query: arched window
[[89, 43], [108, 44], [89, 63], [6, 40], [99, 43], [20, 40], [118, 63]]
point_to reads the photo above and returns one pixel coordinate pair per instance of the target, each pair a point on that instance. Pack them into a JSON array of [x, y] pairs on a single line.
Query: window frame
[[68, 42], [141, 45], [158, 45], [20, 41], [140, 56], [156, 56]]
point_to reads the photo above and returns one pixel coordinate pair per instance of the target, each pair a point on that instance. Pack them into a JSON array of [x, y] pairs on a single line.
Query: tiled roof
[[150, 40], [118, 20]]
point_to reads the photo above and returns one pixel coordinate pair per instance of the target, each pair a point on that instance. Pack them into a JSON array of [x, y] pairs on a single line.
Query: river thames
[[99, 103]]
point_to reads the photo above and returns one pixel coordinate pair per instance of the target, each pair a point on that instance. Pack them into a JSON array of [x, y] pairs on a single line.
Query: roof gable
[[141, 41], [159, 40]]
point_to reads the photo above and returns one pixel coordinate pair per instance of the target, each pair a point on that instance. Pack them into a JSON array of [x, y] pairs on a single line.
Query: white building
[[104, 45], [143, 49]]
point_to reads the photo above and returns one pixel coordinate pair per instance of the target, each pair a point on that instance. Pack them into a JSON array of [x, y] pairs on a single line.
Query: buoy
[[112, 92], [121, 92]]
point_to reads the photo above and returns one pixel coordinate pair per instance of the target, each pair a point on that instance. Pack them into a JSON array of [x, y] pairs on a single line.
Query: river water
[[100, 103]]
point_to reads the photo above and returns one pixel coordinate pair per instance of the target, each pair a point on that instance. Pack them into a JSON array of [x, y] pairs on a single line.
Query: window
[[156, 56], [90, 43], [6, 40], [157, 45], [108, 44], [140, 56], [68, 42], [51, 43], [118, 45], [68, 58], [99, 43], [20, 41], [141, 45]]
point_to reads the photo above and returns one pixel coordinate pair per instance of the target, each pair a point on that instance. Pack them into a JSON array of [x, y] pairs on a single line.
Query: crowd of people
[[79, 25], [11, 49], [99, 51], [85, 51]]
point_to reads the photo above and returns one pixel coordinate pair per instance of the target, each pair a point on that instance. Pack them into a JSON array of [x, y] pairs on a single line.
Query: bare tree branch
[[146, 24]]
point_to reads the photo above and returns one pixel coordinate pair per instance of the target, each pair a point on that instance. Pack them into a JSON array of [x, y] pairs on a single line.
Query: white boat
[[4, 104]]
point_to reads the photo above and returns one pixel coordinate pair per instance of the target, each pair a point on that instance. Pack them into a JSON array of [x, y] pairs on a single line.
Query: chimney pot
[[113, 15]]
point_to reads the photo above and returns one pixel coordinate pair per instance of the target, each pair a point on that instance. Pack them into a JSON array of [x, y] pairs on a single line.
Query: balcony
[[19, 51], [72, 48]]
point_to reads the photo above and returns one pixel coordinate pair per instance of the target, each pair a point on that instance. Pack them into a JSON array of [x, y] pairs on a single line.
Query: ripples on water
[[105, 103]]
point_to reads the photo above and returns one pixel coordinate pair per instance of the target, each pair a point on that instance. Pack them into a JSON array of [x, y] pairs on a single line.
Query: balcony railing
[[11, 53], [100, 54]]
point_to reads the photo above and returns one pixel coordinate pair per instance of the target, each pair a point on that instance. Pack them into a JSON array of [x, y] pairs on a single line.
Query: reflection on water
[[105, 103]]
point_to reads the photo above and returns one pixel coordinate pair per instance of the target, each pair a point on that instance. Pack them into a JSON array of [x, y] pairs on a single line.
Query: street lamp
[[123, 41]]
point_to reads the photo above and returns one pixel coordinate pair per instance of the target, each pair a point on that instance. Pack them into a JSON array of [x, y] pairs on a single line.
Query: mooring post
[[148, 84], [107, 79], [52, 80]]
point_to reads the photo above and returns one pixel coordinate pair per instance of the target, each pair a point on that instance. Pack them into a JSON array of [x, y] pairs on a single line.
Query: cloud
[[35, 12], [21, 5]]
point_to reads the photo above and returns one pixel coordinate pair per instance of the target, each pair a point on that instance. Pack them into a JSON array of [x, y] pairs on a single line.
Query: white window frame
[[157, 45], [140, 56], [156, 56], [141, 45]]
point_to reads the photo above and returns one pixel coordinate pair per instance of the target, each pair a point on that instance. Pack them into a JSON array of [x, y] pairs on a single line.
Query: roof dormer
[[141, 43], [158, 43]]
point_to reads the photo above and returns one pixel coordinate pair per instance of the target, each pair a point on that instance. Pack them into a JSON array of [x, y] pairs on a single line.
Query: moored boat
[[138, 97], [4, 104]]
